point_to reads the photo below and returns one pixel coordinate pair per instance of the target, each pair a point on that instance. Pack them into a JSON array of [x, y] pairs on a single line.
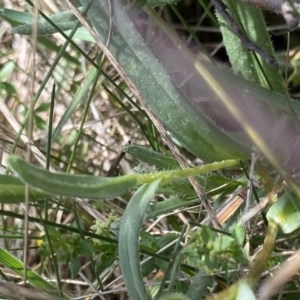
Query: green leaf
[[8, 87], [74, 264], [244, 61], [16, 17], [223, 243], [240, 256], [151, 157], [285, 212], [40, 122], [292, 291], [148, 240], [55, 234], [106, 260], [63, 255], [199, 286], [166, 239], [207, 235], [238, 234], [168, 205], [128, 240], [50, 44], [181, 287], [9, 261], [44, 251], [195, 131], [43, 107], [71, 185], [44, 28], [81, 34], [65, 16], [210, 261], [78, 98], [6, 70], [136, 8], [85, 248], [148, 267], [12, 190], [64, 20]]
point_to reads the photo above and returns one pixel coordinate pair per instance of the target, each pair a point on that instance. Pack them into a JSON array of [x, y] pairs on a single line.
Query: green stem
[[168, 176], [263, 255]]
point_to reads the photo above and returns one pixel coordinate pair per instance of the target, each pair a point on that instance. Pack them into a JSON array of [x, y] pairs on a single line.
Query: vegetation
[[135, 164]]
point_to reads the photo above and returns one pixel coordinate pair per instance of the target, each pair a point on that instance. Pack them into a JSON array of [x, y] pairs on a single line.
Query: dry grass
[[106, 130]]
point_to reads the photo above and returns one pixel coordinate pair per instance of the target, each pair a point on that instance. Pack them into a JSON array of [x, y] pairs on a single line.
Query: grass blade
[[71, 185], [128, 240]]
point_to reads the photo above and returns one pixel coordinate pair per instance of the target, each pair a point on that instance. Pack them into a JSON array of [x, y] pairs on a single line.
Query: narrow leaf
[[12, 190], [128, 240], [129, 53], [15, 17], [35, 279], [44, 28], [151, 157], [71, 185], [64, 20]]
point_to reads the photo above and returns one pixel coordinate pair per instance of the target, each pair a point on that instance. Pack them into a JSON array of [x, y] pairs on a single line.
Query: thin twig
[[222, 9]]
